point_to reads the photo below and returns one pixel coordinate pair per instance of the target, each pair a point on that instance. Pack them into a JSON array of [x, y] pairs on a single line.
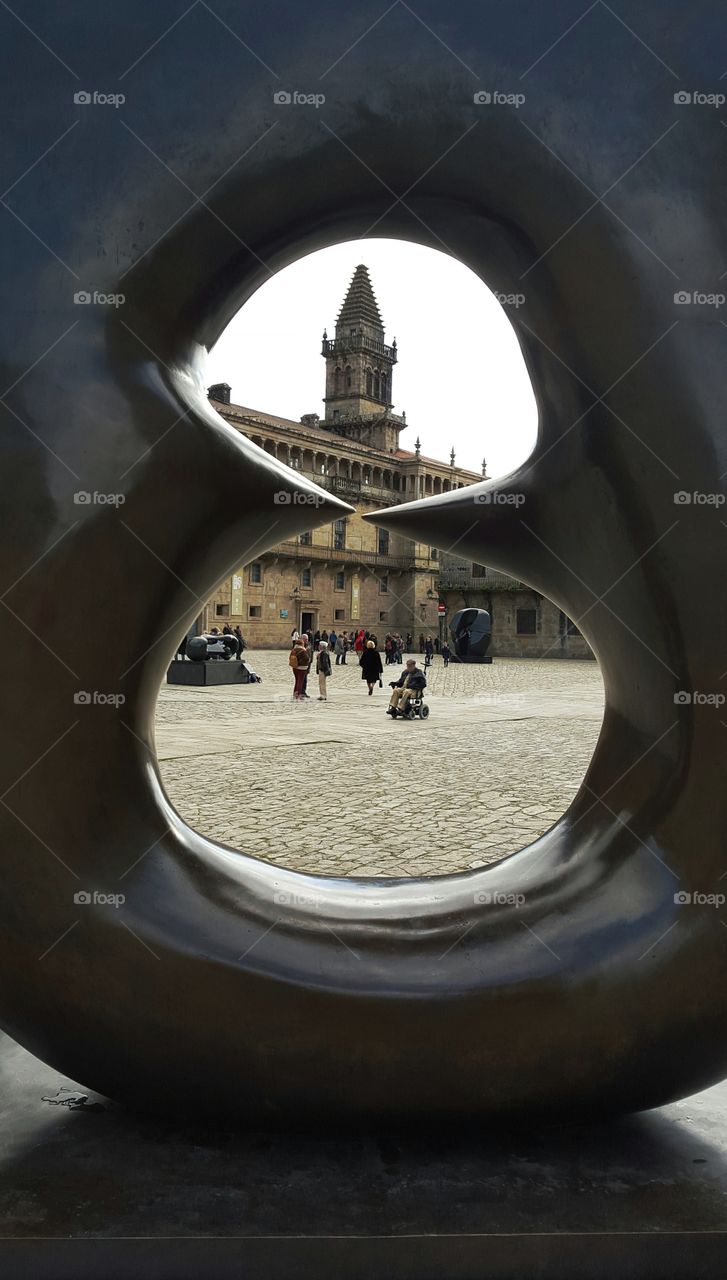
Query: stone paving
[[338, 788]]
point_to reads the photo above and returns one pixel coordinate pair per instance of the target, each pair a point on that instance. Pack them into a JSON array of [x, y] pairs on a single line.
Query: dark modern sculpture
[[587, 972], [471, 631]]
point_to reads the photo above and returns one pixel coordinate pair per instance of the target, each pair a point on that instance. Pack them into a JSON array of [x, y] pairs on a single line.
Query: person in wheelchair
[[411, 682]]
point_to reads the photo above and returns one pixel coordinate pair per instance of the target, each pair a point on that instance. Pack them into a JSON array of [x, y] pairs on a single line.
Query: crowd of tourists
[[314, 650]]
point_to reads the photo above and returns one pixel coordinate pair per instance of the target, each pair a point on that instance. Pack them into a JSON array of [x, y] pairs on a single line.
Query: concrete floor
[[107, 1192]]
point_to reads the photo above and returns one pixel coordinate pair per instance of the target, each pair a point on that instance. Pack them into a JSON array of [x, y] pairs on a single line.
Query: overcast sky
[[460, 377]]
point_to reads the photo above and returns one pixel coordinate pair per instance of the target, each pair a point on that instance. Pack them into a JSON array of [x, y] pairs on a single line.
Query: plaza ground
[[338, 788]]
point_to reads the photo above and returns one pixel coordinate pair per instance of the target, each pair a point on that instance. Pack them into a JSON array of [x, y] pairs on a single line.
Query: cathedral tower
[[359, 369]]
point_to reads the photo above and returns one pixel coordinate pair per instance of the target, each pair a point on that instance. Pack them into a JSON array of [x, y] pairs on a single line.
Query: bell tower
[[359, 370]]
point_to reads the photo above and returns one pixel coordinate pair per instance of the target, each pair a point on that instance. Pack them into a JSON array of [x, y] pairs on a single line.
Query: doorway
[[308, 621]]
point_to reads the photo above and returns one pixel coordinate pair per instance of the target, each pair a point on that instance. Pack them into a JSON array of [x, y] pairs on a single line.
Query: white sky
[[460, 378]]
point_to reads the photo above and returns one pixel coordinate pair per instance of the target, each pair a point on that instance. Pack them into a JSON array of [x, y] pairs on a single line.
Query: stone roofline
[[259, 420]]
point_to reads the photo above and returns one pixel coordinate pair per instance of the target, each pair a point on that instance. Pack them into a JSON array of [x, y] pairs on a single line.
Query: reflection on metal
[[471, 632], [586, 972]]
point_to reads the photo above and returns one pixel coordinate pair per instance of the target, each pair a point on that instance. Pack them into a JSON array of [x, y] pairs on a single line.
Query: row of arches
[[318, 464]]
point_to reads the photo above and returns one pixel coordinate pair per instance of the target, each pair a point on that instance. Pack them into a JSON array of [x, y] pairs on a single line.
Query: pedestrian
[[346, 647], [411, 680], [370, 664], [339, 648], [241, 643], [409, 641], [299, 662], [446, 653], [324, 636], [387, 650], [332, 642], [428, 651], [358, 643], [316, 641], [294, 636], [307, 641], [323, 669]]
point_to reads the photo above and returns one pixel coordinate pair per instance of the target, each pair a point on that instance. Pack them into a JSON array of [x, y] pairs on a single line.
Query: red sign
[[441, 608]]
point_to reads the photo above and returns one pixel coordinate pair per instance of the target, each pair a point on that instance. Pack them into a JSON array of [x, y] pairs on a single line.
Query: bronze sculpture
[[571, 977]]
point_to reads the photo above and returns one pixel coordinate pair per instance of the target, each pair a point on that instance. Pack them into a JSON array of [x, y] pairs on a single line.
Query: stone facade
[[349, 574], [352, 574], [525, 624]]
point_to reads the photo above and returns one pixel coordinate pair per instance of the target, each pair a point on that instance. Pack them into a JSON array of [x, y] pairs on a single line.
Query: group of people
[[310, 647]]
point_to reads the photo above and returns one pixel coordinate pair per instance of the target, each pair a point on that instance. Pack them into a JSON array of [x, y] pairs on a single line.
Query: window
[[254, 611], [306, 578], [369, 382], [479, 571], [433, 553], [222, 610], [339, 535], [382, 541], [256, 572], [384, 582], [383, 615], [567, 627], [340, 582], [348, 375], [527, 620], [305, 540], [339, 615], [295, 461]]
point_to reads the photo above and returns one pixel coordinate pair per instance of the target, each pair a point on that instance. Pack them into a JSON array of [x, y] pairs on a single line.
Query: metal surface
[[471, 631], [567, 977]]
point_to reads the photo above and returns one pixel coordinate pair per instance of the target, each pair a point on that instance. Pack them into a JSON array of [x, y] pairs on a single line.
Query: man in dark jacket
[[410, 681]]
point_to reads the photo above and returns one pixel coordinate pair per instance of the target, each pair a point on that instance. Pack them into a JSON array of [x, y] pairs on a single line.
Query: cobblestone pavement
[[339, 788]]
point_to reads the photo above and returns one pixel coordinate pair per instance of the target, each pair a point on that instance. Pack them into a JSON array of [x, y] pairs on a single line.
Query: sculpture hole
[[425, 388]]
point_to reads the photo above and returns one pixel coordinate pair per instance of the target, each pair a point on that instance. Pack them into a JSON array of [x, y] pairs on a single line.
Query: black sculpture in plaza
[[593, 984], [471, 631]]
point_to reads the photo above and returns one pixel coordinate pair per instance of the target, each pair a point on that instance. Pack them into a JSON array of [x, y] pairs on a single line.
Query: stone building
[[525, 624], [349, 574], [352, 574]]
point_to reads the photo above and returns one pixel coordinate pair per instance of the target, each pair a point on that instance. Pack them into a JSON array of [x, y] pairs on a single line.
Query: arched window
[[383, 386], [337, 380], [348, 375], [369, 382], [377, 387]]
